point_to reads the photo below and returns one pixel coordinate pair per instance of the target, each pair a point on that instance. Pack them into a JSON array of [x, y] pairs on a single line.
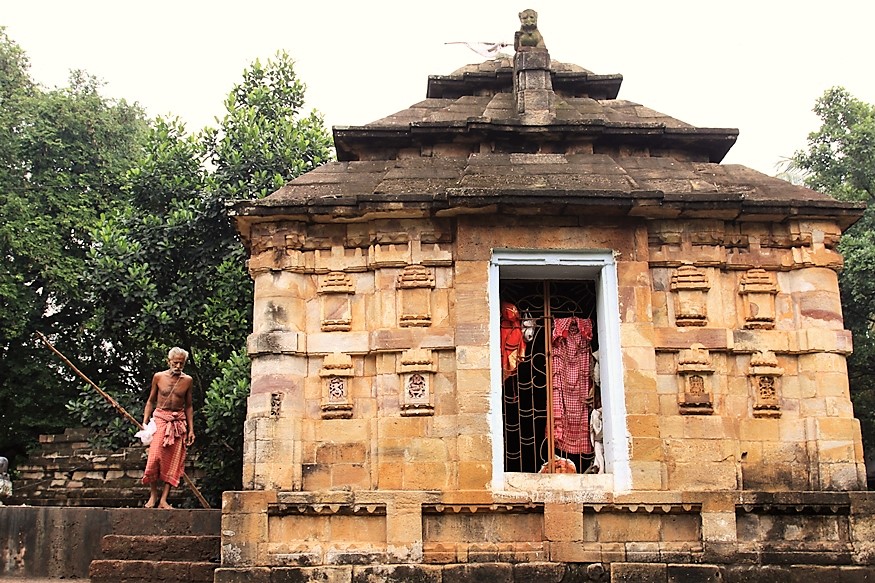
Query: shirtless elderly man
[[170, 405]]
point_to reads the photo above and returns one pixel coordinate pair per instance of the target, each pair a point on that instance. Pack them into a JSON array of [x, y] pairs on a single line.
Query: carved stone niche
[[695, 374], [690, 287], [414, 289], [336, 372], [335, 290], [758, 289], [765, 375], [416, 368]]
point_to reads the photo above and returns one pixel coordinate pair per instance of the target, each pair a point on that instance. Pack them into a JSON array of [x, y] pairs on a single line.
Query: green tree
[[170, 268], [63, 155], [840, 160]]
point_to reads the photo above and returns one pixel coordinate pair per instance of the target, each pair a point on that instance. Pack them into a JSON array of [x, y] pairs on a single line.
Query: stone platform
[[52, 542]]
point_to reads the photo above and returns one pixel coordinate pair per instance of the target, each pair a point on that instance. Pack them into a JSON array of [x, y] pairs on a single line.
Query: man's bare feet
[[149, 503], [165, 506]]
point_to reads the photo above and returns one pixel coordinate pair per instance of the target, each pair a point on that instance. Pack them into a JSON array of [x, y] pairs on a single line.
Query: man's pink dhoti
[[167, 450]]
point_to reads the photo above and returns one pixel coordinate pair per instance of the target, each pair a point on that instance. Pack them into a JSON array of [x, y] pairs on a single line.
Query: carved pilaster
[[695, 374], [335, 290], [336, 373], [758, 289], [765, 375], [416, 368], [414, 289], [690, 288]]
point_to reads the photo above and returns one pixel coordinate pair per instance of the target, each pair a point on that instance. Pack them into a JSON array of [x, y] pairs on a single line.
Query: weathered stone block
[[354, 476], [646, 475], [684, 529], [695, 574], [563, 522], [397, 574], [623, 527], [539, 571], [574, 552], [638, 573], [428, 476], [244, 575], [700, 427], [642, 552], [703, 476], [644, 402], [492, 572], [248, 502], [646, 449], [359, 529], [643, 426], [837, 429], [474, 475], [439, 552]]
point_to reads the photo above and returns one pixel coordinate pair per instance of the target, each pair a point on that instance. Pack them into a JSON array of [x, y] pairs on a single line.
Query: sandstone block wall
[[731, 342]]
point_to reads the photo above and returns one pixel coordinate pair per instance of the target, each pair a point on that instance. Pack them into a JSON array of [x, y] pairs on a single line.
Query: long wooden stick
[[118, 408]]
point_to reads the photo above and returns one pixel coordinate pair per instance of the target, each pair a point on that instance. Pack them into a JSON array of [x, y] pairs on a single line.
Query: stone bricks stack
[[67, 471]]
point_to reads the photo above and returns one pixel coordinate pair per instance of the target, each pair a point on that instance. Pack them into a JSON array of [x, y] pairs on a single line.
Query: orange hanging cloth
[[513, 344]]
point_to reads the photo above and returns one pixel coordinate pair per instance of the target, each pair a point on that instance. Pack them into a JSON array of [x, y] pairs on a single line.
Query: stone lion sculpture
[[528, 37]]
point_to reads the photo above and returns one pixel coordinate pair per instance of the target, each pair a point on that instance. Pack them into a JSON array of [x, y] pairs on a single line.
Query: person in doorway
[[169, 404]]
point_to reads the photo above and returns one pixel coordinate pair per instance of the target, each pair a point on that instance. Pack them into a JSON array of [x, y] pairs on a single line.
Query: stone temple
[[526, 330]]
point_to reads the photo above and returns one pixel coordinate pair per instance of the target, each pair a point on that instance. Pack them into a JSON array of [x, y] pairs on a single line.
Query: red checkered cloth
[[572, 357], [167, 450]]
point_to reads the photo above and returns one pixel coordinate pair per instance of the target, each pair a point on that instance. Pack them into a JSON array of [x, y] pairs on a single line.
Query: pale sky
[[757, 66]]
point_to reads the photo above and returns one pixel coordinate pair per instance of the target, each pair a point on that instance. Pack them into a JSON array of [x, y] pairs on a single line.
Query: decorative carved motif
[[276, 401], [416, 367], [758, 289], [335, 289], [694, 381], [336, 371], [389, 255], [690, 287], [415, 276], [765, 374], [336, 282], [414, 285], [336, 390], [417, 388], [340, 259]]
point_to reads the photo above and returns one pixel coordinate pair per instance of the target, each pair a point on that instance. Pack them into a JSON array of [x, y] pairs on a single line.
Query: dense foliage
[[840, 160], [116, 243], [63, 158], [169, 269]]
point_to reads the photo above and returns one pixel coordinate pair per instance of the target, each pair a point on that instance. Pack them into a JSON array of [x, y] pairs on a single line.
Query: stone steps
[[167, 558], [203, 548], [180, 522], [119, 571]]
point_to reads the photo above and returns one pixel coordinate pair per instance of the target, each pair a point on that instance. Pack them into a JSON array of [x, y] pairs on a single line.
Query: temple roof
[[469, 147], [478, 101]]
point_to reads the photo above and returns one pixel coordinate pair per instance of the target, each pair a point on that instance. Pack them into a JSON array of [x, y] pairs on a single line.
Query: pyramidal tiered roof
[[480, 100], [528, 131]]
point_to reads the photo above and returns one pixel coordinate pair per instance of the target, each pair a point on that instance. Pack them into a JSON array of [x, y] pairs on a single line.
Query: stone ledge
[[619, 572]]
